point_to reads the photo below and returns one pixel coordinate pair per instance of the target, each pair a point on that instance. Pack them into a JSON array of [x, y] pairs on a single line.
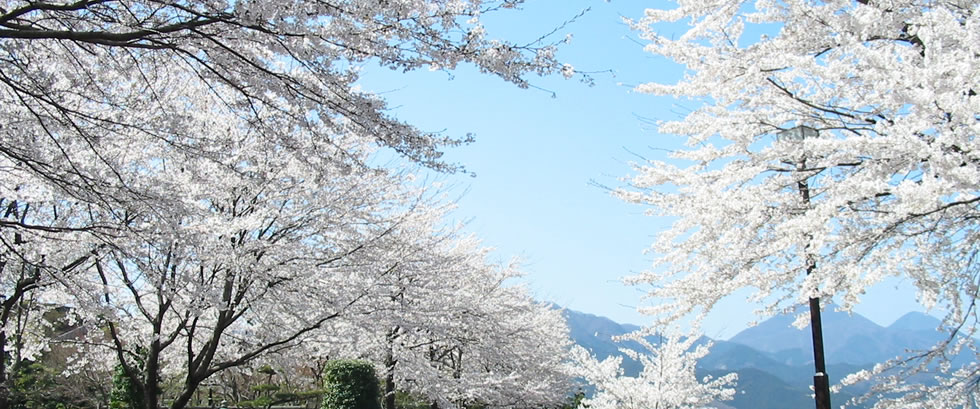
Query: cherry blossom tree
[[510, 353], [75, 70], [444, 324], [40, 246], [892, 175], [251, 249], [196, 162], [254, 271], [525, 351], [668, 379], [233, 246]]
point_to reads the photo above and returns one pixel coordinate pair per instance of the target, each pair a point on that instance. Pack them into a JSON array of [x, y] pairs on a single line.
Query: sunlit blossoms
[[194, 180], [668, 379], [893, 173]]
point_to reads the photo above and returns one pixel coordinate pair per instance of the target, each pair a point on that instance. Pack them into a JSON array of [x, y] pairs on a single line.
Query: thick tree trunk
[[151, 373], [390, 362], [191, 384], [184, 398], [389, 402]]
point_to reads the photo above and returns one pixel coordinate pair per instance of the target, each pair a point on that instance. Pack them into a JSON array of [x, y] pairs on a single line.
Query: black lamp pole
[[821, 383]]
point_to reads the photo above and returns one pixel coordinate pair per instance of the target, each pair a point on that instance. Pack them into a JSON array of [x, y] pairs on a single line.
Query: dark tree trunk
[[389, 402], [184, 398], [4, 391], [151, 390], [9, 304]]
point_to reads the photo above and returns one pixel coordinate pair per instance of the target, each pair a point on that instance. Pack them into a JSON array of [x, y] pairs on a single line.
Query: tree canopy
[[892, 175], [196, 180]]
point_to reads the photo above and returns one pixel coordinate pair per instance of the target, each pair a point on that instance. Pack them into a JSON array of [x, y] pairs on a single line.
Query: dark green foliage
[[265, 388], [350, 384], [280, 398], [273, 392], [260, 402], [404, 400], [125, 394], [35, 386]]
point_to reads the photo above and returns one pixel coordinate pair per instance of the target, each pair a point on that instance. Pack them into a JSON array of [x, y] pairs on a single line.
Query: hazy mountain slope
[[596, 334], [842, 334], [774, 360], [915, 321], [848, 339]]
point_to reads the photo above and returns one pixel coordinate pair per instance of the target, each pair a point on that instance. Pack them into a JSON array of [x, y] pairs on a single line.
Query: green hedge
[[350, 384]]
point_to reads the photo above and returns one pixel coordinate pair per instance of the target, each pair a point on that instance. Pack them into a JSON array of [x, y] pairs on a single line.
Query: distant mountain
[[774, 360], [730, 355], [596, 334], [915, 321], [763, 382], [758, 389], [848, 338]]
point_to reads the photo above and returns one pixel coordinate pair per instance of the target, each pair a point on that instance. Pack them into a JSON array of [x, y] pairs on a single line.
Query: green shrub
[[350, 384], [34, 386], [124, 394]]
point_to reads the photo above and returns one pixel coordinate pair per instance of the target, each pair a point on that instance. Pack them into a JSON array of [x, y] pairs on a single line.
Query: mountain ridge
[[774, 359]]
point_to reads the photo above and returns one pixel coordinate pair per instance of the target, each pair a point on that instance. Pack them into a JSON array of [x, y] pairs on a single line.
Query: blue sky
[[539, 154]]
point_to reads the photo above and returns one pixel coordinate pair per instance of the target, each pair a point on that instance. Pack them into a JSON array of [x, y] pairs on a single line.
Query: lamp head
[[797, 133]]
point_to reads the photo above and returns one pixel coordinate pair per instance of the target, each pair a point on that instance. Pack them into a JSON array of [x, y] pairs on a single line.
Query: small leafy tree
[[350, 384], [125, 394]]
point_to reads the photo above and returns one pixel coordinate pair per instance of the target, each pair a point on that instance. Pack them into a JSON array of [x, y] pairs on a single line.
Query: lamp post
[[821, 383]]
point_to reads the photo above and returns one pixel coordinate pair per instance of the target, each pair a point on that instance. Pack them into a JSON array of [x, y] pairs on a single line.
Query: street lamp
[[821, 383]]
